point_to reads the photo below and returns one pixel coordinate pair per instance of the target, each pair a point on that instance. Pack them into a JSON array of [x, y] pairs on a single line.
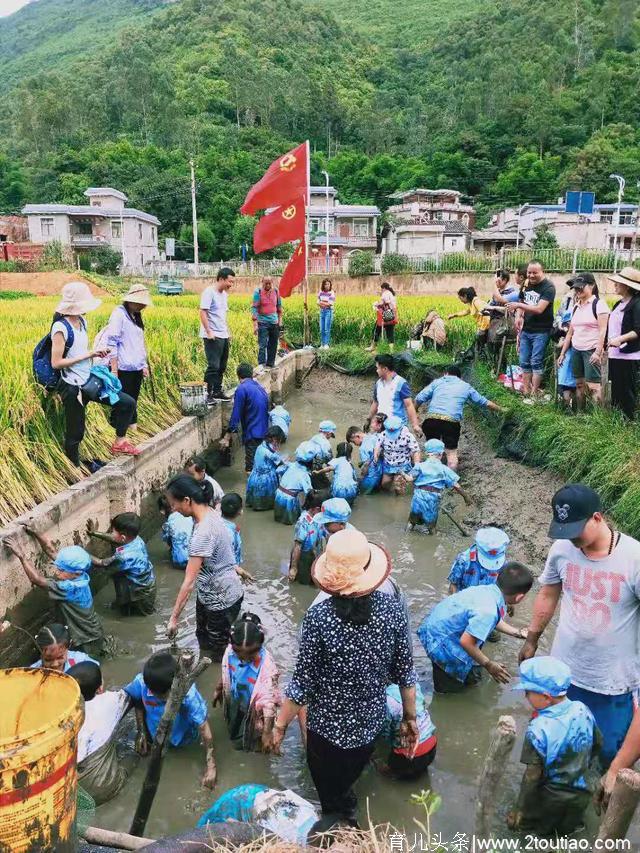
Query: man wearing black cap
[[597, 571]]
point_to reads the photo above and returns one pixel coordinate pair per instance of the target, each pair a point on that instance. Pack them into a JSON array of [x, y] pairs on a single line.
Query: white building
[[428, 223], [352, 227], [105, 221], [596, 230]]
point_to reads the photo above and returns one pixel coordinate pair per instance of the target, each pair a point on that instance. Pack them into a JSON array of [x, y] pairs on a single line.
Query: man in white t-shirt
[[596, 570], [214, 332]]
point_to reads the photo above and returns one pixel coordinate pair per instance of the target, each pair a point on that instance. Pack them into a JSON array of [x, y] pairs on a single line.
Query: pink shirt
[[586, 332], [615, 329]]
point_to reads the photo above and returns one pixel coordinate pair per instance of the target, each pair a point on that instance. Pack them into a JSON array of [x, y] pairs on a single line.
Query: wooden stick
[[119, 840], [622, 805], [502, 346], [182, 681], [491, 775], [451, 518]]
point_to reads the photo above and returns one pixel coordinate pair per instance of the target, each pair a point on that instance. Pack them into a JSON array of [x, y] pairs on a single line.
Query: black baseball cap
[[581, 279], [572, 505]]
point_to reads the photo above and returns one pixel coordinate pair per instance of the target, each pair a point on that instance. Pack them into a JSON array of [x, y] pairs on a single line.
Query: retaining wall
[[121, 486]]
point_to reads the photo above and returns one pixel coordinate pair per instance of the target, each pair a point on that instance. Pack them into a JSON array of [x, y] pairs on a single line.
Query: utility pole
[[621, 183], [194, 217], [326, 221], [635, 233]]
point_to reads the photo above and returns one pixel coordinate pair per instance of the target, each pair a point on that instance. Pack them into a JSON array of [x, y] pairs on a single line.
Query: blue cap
[[306, 451], [393, 424], [334, 511], [491, 543], [544, 674], [434, 445], [327, 426], [73, 558]]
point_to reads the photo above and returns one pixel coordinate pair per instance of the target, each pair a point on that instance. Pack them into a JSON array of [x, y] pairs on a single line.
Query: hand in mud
[[527, 651], [217, 696], [172, 628], [28, 528], [409, 735], [12, 545], [498, 672], [267, 742], [277, 736], [513, 819], [142, 744], [293, 574], [603, 791], [244, 575], [210, 777], [92, 527], [468, 500]]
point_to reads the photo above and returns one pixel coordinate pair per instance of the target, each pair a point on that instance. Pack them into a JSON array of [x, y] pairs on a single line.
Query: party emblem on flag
[[288, 162], [282, 225], [284, 180], [289, 212]]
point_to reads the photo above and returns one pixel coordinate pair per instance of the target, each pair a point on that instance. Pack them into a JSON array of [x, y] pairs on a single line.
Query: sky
[[9, 6]]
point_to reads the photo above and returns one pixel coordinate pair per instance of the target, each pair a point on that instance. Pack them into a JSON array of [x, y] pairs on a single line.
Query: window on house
[[153, 233], [46, 226], [96, 203], [139, 230], [606, 216], [360, 228], [437, 214], [626, 218], [116, 230]]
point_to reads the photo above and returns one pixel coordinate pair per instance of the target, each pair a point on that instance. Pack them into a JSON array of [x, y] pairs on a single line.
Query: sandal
[[126, 449]]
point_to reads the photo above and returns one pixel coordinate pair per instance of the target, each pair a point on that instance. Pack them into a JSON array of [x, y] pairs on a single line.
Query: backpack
[[594, 308], [43, 370]]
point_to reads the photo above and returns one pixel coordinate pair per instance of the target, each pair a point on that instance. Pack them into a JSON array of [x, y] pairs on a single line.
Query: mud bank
[[121, 486]]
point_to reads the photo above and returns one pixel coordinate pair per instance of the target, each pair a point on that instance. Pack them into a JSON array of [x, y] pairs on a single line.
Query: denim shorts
[[533, 346], [582, 367]]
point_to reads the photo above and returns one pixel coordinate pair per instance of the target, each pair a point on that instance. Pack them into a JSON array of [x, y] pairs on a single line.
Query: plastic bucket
[[41, 716], [193, 398]]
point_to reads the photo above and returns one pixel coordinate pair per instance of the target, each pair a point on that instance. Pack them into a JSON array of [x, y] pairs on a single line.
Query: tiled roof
[[89, 210]]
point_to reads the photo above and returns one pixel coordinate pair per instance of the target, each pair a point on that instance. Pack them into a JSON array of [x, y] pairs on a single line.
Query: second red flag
[[282, 225]]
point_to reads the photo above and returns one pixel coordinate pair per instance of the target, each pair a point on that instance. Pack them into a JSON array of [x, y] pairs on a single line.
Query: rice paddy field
[[597, 447]]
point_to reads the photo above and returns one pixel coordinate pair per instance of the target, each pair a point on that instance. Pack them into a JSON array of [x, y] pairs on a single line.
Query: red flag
[[286, 178], [282, 225], [294, 272]]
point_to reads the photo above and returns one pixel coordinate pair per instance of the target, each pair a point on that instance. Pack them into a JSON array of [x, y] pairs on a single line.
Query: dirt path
[[508, 494], [44, 283]]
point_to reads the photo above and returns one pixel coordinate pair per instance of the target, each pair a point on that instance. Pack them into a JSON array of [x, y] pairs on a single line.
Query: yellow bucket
[[39, 723]]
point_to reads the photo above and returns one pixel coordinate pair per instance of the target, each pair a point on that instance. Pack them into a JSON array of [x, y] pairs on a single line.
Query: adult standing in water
[[251, 412], [266, 310], [326, 303], [125, 338], [386, 316], [624, 341], [392, 394], [596, 570], [352, 646], [215, 334], [211, 568], [74, 362]]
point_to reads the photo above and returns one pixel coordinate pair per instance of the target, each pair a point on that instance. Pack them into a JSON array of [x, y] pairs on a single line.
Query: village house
[[104, 221], [352, 227], [596, 230], [428, 223]]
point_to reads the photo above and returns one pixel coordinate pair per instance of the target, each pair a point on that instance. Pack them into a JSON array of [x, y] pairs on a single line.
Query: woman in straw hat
[[74, 363], [352, 646], [624, 341], [125, 337]]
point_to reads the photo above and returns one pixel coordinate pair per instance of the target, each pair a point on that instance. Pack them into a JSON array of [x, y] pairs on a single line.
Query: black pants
[[213, 628], [217, 355], [624, 385], [334, 770], [75, 418], [389, 331], [409, 768], [445, 683], [268, 336], [250, 448], [131, 381]]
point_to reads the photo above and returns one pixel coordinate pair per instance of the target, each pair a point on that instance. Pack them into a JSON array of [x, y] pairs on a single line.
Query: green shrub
[[361, 264], [14, 294], [393, 264], [103, 260]]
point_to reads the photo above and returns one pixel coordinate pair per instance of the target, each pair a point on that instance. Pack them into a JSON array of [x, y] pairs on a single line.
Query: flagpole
[[306, 336]]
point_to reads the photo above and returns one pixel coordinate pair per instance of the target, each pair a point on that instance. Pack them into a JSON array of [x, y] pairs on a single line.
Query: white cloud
[[7, 7]]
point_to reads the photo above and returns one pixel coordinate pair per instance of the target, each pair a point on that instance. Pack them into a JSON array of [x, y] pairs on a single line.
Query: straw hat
[[351, 566], [627, 275], [138, 293], [77, 299]]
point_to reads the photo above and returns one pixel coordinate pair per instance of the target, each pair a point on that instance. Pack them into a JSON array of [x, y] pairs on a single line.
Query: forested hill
[[506, 100]]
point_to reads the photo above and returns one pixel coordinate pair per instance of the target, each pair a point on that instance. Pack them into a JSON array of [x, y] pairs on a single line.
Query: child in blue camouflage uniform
[[430, 478], [280, 417], [306, 537], [294, 485], [344, 483], [335, 516], [455, 631], [267, 467], [560, 752], [176, 532], [324, 453], [134, 579], [231, 509], [370, 470], [481, 563]]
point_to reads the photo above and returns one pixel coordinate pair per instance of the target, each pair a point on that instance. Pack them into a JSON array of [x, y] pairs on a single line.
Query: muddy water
[[421, 565]]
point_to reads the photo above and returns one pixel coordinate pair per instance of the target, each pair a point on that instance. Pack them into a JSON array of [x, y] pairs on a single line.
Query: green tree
[[527, 177], [544, 239]]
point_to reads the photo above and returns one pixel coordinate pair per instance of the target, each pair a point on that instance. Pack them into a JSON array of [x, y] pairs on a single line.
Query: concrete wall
[[121, 486], [417, 284]]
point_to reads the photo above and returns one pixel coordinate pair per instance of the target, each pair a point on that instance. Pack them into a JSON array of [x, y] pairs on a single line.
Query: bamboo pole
[[185, 675], [119, 840], [622, 806], [491, 775], [451, 518]]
